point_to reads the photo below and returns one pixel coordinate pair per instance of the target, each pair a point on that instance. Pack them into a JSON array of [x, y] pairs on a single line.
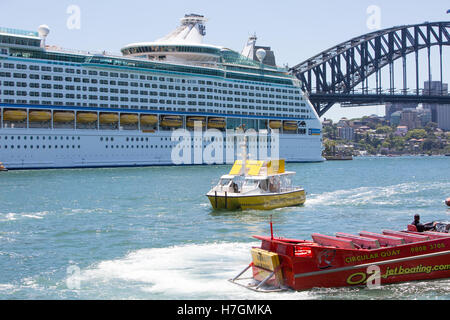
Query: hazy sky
[[296, 30]]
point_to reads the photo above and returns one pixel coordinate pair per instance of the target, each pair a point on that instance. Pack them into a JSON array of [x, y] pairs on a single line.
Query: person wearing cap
[[422, 227]]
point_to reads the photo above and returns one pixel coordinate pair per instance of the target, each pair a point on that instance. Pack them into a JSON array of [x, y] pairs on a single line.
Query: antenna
[[244, 155]]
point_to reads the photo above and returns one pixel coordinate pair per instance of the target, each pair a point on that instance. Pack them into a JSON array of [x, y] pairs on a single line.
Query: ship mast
[[244, 156]]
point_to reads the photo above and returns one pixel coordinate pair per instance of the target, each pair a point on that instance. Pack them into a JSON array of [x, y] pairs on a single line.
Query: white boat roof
[[227, 176], [286, 173]]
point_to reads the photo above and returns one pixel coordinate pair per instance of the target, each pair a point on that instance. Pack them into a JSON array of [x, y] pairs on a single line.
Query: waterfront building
[[395, 118], [345, 131], [409, 118], [439, 113], [401, 130], [443, 116], [391, 107], [424, 116]]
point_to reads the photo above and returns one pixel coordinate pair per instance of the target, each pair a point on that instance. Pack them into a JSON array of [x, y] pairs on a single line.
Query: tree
[[416, 134], [428, 144], [330, 146], [383, 129], [430, 127]]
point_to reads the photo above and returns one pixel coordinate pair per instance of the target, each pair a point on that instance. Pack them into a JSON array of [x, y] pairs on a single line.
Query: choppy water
[[149, 233]]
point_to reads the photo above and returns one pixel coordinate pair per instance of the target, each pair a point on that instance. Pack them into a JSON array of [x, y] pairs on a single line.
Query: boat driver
[[422, 227], [234, 187]]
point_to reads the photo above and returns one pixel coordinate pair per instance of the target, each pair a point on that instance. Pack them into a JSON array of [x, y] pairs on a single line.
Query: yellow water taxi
[[259, 185]]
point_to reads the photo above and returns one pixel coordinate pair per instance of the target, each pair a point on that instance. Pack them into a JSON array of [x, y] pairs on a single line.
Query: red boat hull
[[306, 264]]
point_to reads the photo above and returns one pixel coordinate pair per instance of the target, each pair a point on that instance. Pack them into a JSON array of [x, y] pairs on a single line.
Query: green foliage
[[383, 129], [416, 134], [432, 143]]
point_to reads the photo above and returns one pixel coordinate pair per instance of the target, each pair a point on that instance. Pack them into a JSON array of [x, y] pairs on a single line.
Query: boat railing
[[287, 189]]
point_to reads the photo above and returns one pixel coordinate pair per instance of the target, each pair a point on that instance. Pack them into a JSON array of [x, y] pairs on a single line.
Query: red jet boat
[[347, 260]]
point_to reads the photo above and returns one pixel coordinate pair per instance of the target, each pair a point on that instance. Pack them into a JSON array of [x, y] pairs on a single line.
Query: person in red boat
[[423, 227]]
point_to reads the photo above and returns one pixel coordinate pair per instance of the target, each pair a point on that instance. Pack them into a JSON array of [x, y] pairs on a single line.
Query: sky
[[295, 30]]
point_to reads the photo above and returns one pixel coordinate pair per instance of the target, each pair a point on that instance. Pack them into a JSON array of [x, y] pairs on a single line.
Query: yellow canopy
[[258, 167]]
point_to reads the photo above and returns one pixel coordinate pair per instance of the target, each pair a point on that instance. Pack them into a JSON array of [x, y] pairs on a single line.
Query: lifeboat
[[190, 121], [2, 167], [342, 260], [171, 121], [149, 119], [14, 115], [128, 118], [108, 118], [59, 116], [290, 125], [39, 116], [86, 117], [274, 124], [217, 123]]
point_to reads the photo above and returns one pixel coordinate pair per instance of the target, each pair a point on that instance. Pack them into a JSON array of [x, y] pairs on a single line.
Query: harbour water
[[150, 233]]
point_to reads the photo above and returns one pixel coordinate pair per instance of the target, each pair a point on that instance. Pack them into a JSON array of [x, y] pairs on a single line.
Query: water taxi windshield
[[251, 183], [224, 182], [256, 183]]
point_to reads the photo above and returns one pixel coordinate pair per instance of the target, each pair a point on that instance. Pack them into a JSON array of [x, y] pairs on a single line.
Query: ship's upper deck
[[181, 50], [185, 45]]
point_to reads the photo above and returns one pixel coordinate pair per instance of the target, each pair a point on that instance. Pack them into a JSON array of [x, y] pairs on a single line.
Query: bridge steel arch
[[332, 75]]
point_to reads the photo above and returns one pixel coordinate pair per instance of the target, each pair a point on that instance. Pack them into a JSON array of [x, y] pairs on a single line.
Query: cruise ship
[[63, 108]]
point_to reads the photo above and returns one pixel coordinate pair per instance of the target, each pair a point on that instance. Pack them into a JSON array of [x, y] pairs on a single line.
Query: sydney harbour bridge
[[376, 68]]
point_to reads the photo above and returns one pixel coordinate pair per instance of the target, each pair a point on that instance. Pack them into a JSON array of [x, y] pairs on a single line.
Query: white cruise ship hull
[[44, 148]]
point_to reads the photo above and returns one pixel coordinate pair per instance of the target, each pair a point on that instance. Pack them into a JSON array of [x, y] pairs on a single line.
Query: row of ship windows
[[126, 76], [230, 146], [111, 139], [11, 147], [169, 102], [208, 139], [44, 147], [38, 138], [39, 146], [146, 93]]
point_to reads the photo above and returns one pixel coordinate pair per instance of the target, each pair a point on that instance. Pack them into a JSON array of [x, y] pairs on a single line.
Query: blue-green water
[[149, 233]]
